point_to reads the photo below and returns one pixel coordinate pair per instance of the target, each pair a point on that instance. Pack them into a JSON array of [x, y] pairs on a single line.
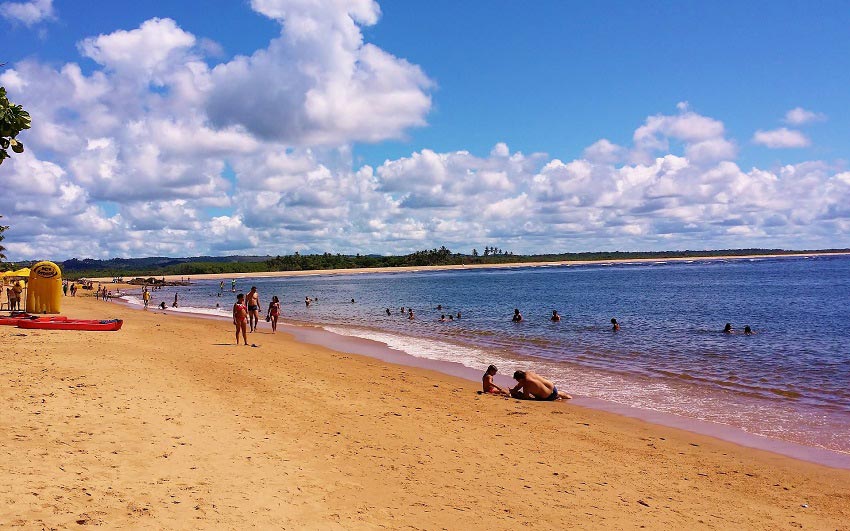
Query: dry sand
[[167, 425]]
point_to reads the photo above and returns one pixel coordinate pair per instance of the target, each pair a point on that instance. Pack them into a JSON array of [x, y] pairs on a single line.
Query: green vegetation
[[160, 266], [13, 120]]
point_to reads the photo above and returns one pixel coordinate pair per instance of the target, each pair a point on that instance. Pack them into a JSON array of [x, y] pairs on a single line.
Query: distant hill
[[158, 266], [151, 263]]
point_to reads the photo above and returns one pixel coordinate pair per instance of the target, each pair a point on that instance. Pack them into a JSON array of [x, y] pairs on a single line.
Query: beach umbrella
[[24, 272]]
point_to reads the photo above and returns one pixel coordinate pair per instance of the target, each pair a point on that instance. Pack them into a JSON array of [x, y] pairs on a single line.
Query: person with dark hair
[[748, 331], [517, 316], [555, 317], [728, 328], [614, 325], [253, 308], [240, 318], [532, 386], [274, 313], [489, 386]]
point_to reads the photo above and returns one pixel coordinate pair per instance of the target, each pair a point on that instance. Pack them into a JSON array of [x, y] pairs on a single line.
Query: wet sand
[[166, 424]]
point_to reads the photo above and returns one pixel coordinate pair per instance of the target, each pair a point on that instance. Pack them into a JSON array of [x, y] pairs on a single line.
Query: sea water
[[790, 380]]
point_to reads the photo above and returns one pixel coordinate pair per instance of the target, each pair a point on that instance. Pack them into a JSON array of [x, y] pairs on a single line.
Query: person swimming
[[555, 317], [748, 331], [614, 325], [728, 328], [517, 316]]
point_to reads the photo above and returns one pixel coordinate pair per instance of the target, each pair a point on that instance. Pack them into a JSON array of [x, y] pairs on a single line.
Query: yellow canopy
[[23, 272]]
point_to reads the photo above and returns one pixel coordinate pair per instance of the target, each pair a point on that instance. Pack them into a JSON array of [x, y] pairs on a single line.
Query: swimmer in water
[[517, 316], [555, 317], [728, 328], [614, 325]]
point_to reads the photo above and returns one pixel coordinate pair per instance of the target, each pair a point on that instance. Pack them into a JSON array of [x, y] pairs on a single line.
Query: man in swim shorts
[[489, 386], [253, 308], [532, 386]]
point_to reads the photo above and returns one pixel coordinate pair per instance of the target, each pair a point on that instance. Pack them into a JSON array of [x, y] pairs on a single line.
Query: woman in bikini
[[240, 318], [274, 312]]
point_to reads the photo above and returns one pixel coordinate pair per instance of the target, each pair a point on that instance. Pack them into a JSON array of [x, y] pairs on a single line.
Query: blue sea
[[790, 380]]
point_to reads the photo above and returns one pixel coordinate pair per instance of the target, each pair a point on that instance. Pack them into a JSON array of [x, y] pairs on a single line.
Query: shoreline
[[167, 424], [354, 271], [317, 334]]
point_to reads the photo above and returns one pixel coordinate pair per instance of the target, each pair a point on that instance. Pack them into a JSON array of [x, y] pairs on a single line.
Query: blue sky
[[588, 125]]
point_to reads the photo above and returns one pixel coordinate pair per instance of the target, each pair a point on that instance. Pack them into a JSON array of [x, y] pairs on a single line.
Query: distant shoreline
[[401, 269]]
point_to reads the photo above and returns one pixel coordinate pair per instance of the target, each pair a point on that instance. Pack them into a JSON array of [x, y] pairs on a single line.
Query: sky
[[266, 127]]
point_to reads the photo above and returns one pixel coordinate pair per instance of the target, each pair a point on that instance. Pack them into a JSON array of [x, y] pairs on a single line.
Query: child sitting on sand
[[489, 386]]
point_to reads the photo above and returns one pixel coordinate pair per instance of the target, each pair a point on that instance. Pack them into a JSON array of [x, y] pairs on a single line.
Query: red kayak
[[73, 324], [15, 320]]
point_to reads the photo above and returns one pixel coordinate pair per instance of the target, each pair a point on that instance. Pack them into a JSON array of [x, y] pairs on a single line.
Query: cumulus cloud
[[153, 47], [141, 157], [319, 83], [28, 13], [801, 116], [781, 138]]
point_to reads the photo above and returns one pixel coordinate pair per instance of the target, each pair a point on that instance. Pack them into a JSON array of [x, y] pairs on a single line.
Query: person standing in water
[[555, 317], [614, 325], [517, 318]]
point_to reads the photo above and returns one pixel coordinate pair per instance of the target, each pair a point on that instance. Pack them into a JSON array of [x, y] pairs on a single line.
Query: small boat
[[16, 319], [107, 325]]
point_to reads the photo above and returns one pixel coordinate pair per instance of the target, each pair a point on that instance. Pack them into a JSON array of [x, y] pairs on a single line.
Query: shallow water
[[788, 381]]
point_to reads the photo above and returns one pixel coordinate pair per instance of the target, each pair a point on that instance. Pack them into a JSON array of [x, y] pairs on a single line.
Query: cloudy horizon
[[155, 141]]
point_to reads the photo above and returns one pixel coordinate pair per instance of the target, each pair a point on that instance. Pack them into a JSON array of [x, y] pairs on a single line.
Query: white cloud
[[140, 158], [319, 83], [781, 138], [28, 13], [604, 151], [800, 116], [144, 52]]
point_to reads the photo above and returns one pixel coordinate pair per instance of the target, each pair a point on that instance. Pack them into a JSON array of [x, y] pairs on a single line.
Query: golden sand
[[167, 425]]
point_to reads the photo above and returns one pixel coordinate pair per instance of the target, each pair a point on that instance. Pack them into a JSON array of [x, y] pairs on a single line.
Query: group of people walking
[[246, 313]]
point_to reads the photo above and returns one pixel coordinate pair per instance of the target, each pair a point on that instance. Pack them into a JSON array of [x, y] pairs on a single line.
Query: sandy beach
[[167, 425], [222, 276]]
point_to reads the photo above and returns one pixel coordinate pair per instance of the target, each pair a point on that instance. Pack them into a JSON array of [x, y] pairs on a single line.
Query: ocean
[[789, 381]]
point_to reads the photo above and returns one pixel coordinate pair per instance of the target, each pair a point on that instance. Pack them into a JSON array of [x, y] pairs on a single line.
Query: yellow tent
[[23, 272]]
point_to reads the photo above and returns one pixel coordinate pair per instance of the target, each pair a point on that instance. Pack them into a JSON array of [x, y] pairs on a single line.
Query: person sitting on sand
[[555, 317], [532, 386], [728, 328], [614, 325], [489, 386], [517, 316], [240, 318]]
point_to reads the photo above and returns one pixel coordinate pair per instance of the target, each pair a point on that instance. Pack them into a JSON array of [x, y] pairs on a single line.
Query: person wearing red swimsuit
[[240, 318]]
